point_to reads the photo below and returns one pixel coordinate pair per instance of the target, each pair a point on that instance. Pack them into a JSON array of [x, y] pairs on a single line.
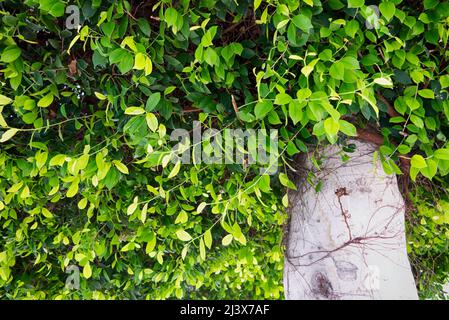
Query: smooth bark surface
[[348, 240]]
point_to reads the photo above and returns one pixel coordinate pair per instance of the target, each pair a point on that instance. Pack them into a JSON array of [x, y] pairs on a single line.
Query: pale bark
[[348, 240]]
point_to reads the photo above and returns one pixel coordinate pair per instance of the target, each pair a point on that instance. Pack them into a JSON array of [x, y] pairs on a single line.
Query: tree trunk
[[348, 240]]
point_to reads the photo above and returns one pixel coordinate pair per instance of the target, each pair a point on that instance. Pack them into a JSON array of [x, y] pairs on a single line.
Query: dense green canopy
[[86, 177]]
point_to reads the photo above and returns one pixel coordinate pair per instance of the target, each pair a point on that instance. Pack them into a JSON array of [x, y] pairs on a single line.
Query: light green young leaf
[[183, 235], [151, 121], [121, 167], [418, 162], [427, 93], [202, 250], [347, 128], [201, 207], [8, 134], [227, 240], [175, 170], [46, 100], [87, 271], [208, 239], [4, 100], [134, 111], [73, 189], [383, 81], [132, 208]]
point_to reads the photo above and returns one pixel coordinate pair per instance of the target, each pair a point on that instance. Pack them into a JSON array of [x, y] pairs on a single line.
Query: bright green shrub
[[85, 171]]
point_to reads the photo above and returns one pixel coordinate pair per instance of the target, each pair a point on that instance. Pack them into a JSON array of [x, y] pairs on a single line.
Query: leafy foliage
[[85, 158], [428, 235]]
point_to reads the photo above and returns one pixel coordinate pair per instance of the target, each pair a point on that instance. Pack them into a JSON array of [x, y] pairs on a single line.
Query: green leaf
[[126, 63], [100, 96], [152, 122], [370, 100], [132, 207], [208, 238], [127, 247], [87, 271], [431, 169], [383, 81], [25, 193], [8, 134], [123, 58], [72, 190], [418, 162], [262, 108], [351, 28], [337, 70], [355, 3], [211, 57], [302, 22], [143, 213], [202, 250], [46, 213], [442, 154], [55, 8], [182, 217], [4, 273], [285, 181], [173, 19], [148, 66], [201, 207], [134, 111], [10, 54], [231, 50], [325, 55], [295, 110], [41, 159], [152, 101], [175, 170], [57, 160], [347, 128], [82, 203], [444, 81], [15, 187], [282, 98], [183, 235], [4, 100], [429, 4], [387, 9], [427, 94], [46, 100], [307, 70], [3, 123], [331, 127], [417, 121], [303, 94], [226, 241], [171, 15], [108, 28], [139, 61], [207, 38], [121, 167], [151, 244], [282, 24]]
